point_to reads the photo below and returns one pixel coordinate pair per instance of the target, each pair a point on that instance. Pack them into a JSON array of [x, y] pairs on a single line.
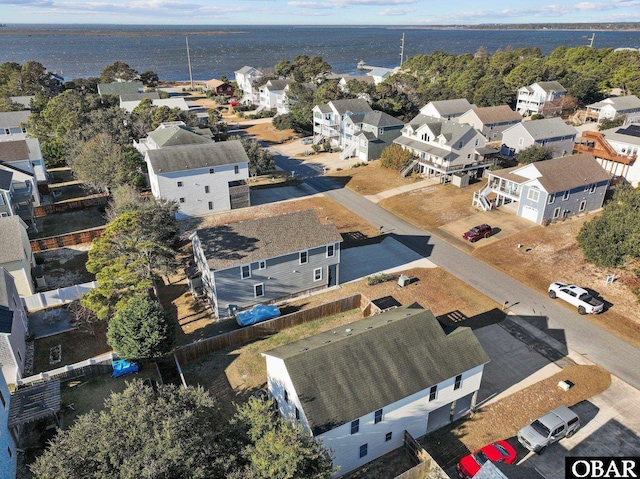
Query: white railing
[[57, 297], [480, 198], [409, 168], [102, 359], [348, 151]]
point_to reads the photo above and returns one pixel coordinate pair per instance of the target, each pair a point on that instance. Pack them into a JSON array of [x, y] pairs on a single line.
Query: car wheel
[[570, 433], [541, 451], [473, 240], [552, 294], [581, 310]]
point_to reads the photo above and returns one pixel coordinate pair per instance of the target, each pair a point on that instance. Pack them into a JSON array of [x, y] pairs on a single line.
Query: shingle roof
[[152, 95], [11, 239], [549, 86], [14, 118], [568, 172], [276, 85], [246, 69], [324, 108], [353, 105], [422, 146], [191, 157], [457, 106], [14, 150], [5, 180], [628, 102], [496, 114], [120, 88], [380, 119], [451, 130], [547, 128], [174, 135], [629, 134], [345, 373], [244, 242]]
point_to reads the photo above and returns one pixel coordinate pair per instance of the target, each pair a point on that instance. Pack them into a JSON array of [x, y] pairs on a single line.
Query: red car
[[477, 232], [499, 451], [233, 103]]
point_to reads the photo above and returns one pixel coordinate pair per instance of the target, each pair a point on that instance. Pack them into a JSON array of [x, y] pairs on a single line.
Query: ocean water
[[84, 50]]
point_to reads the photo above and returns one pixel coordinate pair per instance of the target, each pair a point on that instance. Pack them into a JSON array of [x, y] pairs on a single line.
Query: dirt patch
[[65, 267], [270, 134], [371, 178]]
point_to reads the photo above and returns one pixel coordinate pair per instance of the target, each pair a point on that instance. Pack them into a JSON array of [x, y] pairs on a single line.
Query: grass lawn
[[69, 221], [274, 179], [369, 179]]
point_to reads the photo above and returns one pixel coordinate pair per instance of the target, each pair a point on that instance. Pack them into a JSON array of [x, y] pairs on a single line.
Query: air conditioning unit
[[404, 281]]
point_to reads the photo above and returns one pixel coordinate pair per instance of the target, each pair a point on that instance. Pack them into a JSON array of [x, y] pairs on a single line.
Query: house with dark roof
[[202, 178], [265, 259], [444, 147], [245, 77], [8, 439], [172, 133], [366, 135], [491, 121], [359, 387], [616, 149], [15, 253], [329, 119], [13, 329], [544, 97], [13, 125], [118, 88], [547, 191], [446, 109], [552, 133], [611, 108]]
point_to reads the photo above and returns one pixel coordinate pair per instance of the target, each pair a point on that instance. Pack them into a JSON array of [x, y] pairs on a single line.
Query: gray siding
[[571, 206], [281, 277], [373, 150]]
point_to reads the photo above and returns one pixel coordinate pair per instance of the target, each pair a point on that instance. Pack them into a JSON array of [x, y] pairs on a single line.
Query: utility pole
[[593, 37], [402, 50], [189, 60]]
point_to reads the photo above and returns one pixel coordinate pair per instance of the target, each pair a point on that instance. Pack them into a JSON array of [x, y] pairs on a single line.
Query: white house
[[273, 96], [130, 101], [26, 155], [491, 120], [245, 78], [446, 109], [173, 133], [8, 440], [13, 125], [551, 133], [203, 178], [15, 254], [380, 74], [610, 108], [329, 119], [358, 388], [544, 97], [13, 329], [616, 150]]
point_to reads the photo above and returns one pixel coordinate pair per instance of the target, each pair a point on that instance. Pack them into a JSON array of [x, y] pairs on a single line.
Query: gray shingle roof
[[451, 130], [629, 134], [628, 102], [353, 105], [457, 106], [566, 173], [276, 85], [191, 157], [120, 88], [174, 135], [548, 128], [14, 118], [496, 114], [244, 242], [343, 374], [380, 119], [5, 180], [14, 150], [152, 95], [324, 108], [550, 86], [11, 239]]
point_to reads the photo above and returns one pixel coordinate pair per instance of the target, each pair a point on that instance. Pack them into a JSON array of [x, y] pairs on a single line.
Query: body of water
[[84, 50]]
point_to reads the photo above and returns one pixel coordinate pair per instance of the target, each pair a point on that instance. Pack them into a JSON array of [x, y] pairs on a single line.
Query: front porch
[[498, 191]]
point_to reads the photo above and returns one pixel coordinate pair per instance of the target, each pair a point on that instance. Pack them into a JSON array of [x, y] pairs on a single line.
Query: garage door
[[530, 213], [438, 418]]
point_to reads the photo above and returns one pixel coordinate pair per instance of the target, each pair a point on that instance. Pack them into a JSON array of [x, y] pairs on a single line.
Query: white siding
[[8, 461]]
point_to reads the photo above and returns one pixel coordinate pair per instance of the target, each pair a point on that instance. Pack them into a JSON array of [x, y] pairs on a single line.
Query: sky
[[316, 12]]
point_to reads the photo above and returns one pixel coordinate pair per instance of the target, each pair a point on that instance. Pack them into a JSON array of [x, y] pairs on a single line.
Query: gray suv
[[553, 426]]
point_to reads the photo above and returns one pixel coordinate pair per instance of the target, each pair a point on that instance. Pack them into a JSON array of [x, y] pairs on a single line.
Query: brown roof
[[14, 150], [244, 242], [214, 83], [565, 173], [496, 114]]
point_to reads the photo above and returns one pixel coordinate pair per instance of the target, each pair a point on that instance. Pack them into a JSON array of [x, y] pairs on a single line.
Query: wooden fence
[[69, 239], [89, 368], [75, 204], [193, 351], [426, 467]]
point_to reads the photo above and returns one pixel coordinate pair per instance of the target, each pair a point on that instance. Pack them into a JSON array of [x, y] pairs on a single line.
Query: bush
[[395, 157], [378, 278], [284, 122]]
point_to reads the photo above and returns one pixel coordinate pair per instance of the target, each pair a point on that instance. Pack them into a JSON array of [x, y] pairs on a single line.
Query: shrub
[[378, 278]]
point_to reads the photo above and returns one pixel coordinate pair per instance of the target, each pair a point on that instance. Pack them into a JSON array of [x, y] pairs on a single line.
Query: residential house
[[491, 121], [245, 78], [265, 259], [13, 125], [173, 133], [613, 107], [6, 194], [329, 119], [8, 440], [118, 88], [366, 135], [13, 330], [202, 178], [549, 190], [380, 74], [344, 79], [273, 96], [616, 149], [443, 148], [130, 101], [16, 255], [446, 109], [218, 87], [25, 155], [16, 196], [24, 101], [171, 103], [552, 133], [544, 97], [360, 387]]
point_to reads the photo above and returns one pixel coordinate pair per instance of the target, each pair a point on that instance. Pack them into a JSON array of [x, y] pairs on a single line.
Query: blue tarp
[[257, 314], [122, 367]]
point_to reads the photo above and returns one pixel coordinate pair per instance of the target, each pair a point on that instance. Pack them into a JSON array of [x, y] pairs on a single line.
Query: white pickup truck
[[579, 297]]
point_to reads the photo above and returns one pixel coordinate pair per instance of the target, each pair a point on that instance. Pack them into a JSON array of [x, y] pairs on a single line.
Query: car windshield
[[501, 449], [540, 428], [480, 457]]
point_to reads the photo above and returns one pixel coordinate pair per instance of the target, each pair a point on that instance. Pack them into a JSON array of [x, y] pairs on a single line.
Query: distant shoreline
[[111, 33]]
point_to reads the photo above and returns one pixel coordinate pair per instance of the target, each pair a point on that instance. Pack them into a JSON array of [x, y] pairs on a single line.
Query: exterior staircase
[[318, 139], [407, 170], [480, 199], [260, 108], [348, 151]]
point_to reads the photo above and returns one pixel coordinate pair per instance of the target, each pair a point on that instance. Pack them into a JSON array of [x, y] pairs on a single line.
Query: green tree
[[607, 123], [260, 160], [141, 330], [141, 433], [613, 238], [395, 157], [149, 78], [118, 71], [534, 153]]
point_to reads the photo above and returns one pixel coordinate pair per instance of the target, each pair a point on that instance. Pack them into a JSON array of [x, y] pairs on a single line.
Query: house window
[[210, 205], [565, 197], [297, 414], [355, 426], [377, 416], [236, 169], [520, 141], [583, 205], [2, 400], [304, 257], [258, 290], [180, 184], [363, 450], [7, 131], [206, 189], [592, 188], [11, 453], [533, 195], [556, 213], [458, 382], [388, 437], [432, 392], [286, 396], [459, 144], [317, 274], [552, 198], [212, 171], [468, 156], [331, 250], [262, 265], [24, 130], [245, 271], [182, 200]]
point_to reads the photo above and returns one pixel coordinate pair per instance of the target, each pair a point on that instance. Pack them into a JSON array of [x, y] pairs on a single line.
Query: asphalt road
[[578, 333]]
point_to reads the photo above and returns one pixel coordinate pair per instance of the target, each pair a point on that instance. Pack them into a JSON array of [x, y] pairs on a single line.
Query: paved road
[[578, 333]]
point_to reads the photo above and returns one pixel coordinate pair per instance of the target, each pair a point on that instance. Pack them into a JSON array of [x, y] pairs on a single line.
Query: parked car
[[477, 232], [550, 428], [307, 141], [499, 451], [579, 297]]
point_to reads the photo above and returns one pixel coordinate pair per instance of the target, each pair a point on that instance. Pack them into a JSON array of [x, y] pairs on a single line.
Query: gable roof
[[191, 157], [380, 119], [152, 95], [343, 374], [547, 128], [9, 166], [629, 134], [275, 85], [496, 114], [245, 242], [247, 69], [14, 118], [628, 102], [568, 172], [5, 179], [457, 106], [451, 130], [549, 86], [16, 150], [215, 83], [174, 135], [118, 88], [11, 239], [353, 105]]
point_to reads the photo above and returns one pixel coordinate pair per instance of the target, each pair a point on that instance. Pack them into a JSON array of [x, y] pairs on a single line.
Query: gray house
[[266, 259], [491, 120], [549, 190], [552, 133], [370, 133], [12, 125], [13, 329]]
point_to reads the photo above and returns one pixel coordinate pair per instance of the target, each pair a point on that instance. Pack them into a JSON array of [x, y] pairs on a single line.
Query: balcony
[[448, 169], [594, 143]]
